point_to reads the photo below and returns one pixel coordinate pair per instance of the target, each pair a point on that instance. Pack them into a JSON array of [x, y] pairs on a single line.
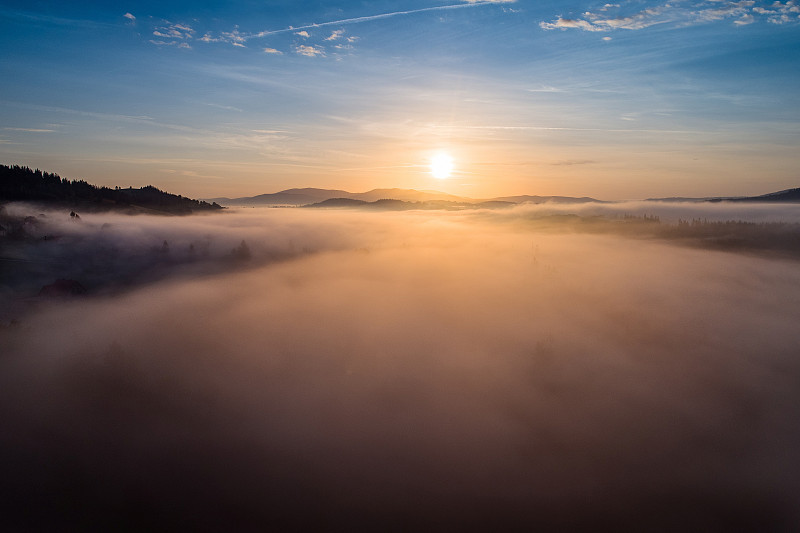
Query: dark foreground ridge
[[23, 184]]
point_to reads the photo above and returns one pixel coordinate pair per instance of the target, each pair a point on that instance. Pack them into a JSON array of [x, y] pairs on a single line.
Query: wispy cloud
[[545, 89], [172, 34], [30, 130], [383, 167], [59, 21], [190, 174], [336, 34], [571, 162], [744, 11], [379, 16], [272, 51], [561, 128], [225, 107], [782, 13], [594, 22], [177, 44], [562, 23], [143, 120], [233, 37], [130, 17], [270, 132], [183, 32], [174, 31], [309, 51], [725, 10]]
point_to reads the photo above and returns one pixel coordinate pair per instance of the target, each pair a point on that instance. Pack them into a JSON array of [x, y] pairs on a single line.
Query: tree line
[[21, 183]]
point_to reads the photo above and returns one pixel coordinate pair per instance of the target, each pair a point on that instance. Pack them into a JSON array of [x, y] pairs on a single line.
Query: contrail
[[358, 20]]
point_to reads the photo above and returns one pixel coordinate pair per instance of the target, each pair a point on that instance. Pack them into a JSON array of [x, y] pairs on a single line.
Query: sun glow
[[441, 166]]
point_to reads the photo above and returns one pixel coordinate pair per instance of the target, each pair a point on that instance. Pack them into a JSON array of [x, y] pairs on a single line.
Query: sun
[[441, 166]]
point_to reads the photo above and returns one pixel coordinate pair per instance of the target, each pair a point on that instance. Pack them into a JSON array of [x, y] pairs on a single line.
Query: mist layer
[[400, 371]]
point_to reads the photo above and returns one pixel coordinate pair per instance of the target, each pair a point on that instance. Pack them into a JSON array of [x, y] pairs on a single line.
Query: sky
[[628, 100]]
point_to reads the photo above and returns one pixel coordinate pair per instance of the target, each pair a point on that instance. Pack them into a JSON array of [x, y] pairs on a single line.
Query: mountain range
[[785, 196], [431, 199], [21, 183], [309, 196]]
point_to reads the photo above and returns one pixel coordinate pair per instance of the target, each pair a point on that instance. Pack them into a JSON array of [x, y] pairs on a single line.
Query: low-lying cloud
[[399, 371]]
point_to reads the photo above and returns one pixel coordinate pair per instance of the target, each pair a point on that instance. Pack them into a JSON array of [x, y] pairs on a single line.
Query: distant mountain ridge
[[309, 196], [341, 198], [784, 196], [787, 195], [528, 199], [23, 184], [387, 204]]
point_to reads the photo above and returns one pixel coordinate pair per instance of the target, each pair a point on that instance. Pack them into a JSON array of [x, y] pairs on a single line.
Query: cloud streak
[[370, 18], [237, 38], [678, 13], [31, 130]]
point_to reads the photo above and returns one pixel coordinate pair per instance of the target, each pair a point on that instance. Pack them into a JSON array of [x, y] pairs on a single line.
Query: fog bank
[[398, 371], [674, 211]]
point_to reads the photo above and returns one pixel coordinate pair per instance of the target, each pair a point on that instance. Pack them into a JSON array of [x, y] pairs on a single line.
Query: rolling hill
[[306, 196], [309, 196], [786, 196]]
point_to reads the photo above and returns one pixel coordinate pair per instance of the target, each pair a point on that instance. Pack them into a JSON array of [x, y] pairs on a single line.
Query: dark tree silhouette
[[22, 183], [241, 252]]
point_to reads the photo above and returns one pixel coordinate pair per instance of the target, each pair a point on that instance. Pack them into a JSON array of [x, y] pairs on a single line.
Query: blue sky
[[625, 100]]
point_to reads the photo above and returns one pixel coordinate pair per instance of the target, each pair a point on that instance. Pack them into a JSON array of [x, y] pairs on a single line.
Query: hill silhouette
[[526, 198], [788, 196], [19, 183], [416, 199], [309, 195], [338, 202], [391, 204]]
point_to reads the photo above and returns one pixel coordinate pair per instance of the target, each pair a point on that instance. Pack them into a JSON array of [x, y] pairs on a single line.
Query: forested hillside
[[23, 184]]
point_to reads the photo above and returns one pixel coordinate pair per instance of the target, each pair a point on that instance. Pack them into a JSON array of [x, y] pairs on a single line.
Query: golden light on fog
[[441, 166]]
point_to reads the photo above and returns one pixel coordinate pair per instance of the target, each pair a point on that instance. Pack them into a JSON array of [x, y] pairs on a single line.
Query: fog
[[674, 211], [395, 371]]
